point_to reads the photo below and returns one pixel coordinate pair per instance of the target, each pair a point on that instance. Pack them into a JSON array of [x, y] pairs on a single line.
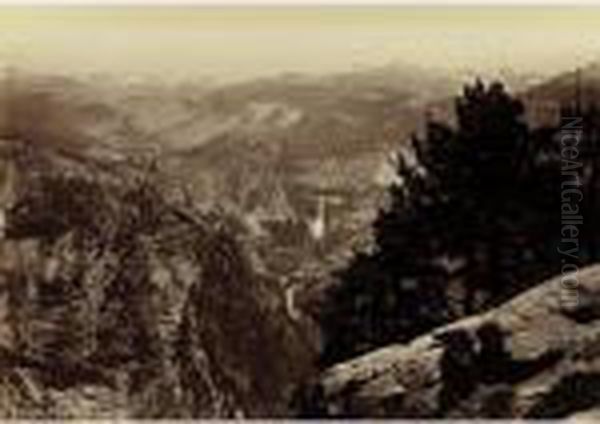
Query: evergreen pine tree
[[469, 226]]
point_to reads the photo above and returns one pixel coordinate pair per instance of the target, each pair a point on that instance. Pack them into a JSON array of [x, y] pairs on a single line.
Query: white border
[[301, 3]]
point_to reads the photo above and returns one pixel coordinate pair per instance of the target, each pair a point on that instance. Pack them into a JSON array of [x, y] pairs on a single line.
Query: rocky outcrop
[[119, 299], [535, 356]]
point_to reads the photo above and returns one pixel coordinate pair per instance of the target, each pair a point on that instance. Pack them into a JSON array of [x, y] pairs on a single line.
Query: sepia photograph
[[299, 212]]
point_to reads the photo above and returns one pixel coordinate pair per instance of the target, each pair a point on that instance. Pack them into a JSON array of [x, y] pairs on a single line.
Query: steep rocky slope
[[537, 356], [120, 299]]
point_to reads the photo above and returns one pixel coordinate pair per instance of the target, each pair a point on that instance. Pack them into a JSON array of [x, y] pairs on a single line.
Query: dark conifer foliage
[[474, 220]]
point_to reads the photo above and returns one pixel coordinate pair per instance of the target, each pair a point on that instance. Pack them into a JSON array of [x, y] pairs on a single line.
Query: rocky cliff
[[118, 298], [537, 356]]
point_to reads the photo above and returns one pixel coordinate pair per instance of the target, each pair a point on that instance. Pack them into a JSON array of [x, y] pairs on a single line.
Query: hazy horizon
[[241, 43]]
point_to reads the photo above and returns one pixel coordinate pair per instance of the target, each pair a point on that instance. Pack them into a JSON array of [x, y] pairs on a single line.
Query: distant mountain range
[[268, 150], [321, 131]]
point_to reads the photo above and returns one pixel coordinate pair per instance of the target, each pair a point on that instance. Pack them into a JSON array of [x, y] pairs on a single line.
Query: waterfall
[[317, 226]]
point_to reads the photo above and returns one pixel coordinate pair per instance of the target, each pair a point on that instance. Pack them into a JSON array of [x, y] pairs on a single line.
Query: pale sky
[[245, 43]]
